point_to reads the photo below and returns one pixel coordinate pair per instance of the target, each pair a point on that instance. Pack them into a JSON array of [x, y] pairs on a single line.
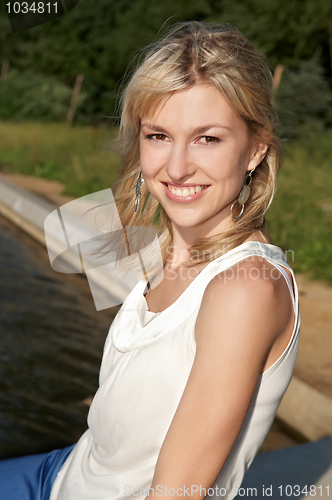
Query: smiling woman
[[199, 356]]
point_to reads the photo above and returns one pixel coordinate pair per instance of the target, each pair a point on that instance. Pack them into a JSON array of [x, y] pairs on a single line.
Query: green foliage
[[303, 98], [99, 39], [285, 31], [31, 96], [300, 217]]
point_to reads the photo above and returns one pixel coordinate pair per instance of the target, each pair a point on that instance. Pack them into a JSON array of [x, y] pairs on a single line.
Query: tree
[[285, 31], [95, 41]]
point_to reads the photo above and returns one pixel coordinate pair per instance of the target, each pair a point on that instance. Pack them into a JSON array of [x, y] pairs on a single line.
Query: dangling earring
[[244, 195], [138, 191]]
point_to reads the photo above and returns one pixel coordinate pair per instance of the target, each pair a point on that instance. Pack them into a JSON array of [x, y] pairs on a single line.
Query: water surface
[[51, 341]]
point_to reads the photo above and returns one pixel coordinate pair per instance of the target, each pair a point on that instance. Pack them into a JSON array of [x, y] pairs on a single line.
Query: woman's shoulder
[[253, 280], [248, 303], [252, 272]]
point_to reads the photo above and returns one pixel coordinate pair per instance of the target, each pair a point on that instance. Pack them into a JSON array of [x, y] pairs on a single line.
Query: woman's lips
[[185, 199]]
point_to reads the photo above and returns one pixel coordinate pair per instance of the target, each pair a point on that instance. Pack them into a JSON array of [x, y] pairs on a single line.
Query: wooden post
[[330, 42], [4, 68], [74, 99], [277, 75]]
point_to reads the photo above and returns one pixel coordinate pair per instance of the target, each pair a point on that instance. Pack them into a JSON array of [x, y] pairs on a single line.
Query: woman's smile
[[185, 193]]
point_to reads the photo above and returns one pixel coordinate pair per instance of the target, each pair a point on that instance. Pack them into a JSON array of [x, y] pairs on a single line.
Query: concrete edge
[[28, 212], [22, 223]]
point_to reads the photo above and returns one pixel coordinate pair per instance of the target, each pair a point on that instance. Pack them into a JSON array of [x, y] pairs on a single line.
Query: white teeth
[[185, 192]]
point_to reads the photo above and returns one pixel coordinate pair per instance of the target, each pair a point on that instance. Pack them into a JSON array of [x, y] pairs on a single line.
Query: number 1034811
[[297, 490], [35, 8]]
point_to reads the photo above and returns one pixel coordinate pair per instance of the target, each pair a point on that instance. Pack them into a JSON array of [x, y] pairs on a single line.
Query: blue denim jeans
[[31, 477]]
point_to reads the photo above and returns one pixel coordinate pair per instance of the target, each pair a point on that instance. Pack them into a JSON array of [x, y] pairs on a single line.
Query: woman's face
[[194, 155]]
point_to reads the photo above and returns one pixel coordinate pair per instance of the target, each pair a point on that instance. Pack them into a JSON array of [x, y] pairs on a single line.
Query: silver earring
[[138, 191], [244, 195]]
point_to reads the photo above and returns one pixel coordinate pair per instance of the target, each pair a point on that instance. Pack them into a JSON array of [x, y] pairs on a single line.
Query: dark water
[[51, 341]]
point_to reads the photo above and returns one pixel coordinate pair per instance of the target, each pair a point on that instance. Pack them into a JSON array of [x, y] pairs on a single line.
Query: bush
[[303, 99], [31, 96]]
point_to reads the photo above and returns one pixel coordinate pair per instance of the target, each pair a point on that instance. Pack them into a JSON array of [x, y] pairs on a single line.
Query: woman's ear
[[257, 155]]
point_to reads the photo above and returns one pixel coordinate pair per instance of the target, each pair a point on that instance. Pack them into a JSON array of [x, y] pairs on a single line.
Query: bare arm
[[238, 325]]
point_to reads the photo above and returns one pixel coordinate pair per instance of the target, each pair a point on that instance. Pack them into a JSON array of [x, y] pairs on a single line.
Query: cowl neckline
[[135, 326], [144, 314]]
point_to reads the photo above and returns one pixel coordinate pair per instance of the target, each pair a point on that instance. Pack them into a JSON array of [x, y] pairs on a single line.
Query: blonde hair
[[221, 56]]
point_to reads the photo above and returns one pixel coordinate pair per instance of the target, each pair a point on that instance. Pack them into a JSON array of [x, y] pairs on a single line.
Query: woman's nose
[[179, 164]]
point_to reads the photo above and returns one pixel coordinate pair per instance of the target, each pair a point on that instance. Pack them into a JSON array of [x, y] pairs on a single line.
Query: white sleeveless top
[[146, 363]]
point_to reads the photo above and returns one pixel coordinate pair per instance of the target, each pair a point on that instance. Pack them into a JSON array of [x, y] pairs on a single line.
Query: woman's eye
[[156, 137], [209, 139]]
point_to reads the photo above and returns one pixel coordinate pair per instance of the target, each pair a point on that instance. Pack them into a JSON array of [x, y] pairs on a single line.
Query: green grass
[[74, 156], [299, 219]]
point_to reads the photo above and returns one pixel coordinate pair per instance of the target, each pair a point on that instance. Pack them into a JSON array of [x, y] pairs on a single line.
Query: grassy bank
[[299, 219], [76, 156]]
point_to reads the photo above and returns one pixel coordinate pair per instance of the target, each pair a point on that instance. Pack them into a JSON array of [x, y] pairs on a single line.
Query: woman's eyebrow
[[151, 126], [204, 128]]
